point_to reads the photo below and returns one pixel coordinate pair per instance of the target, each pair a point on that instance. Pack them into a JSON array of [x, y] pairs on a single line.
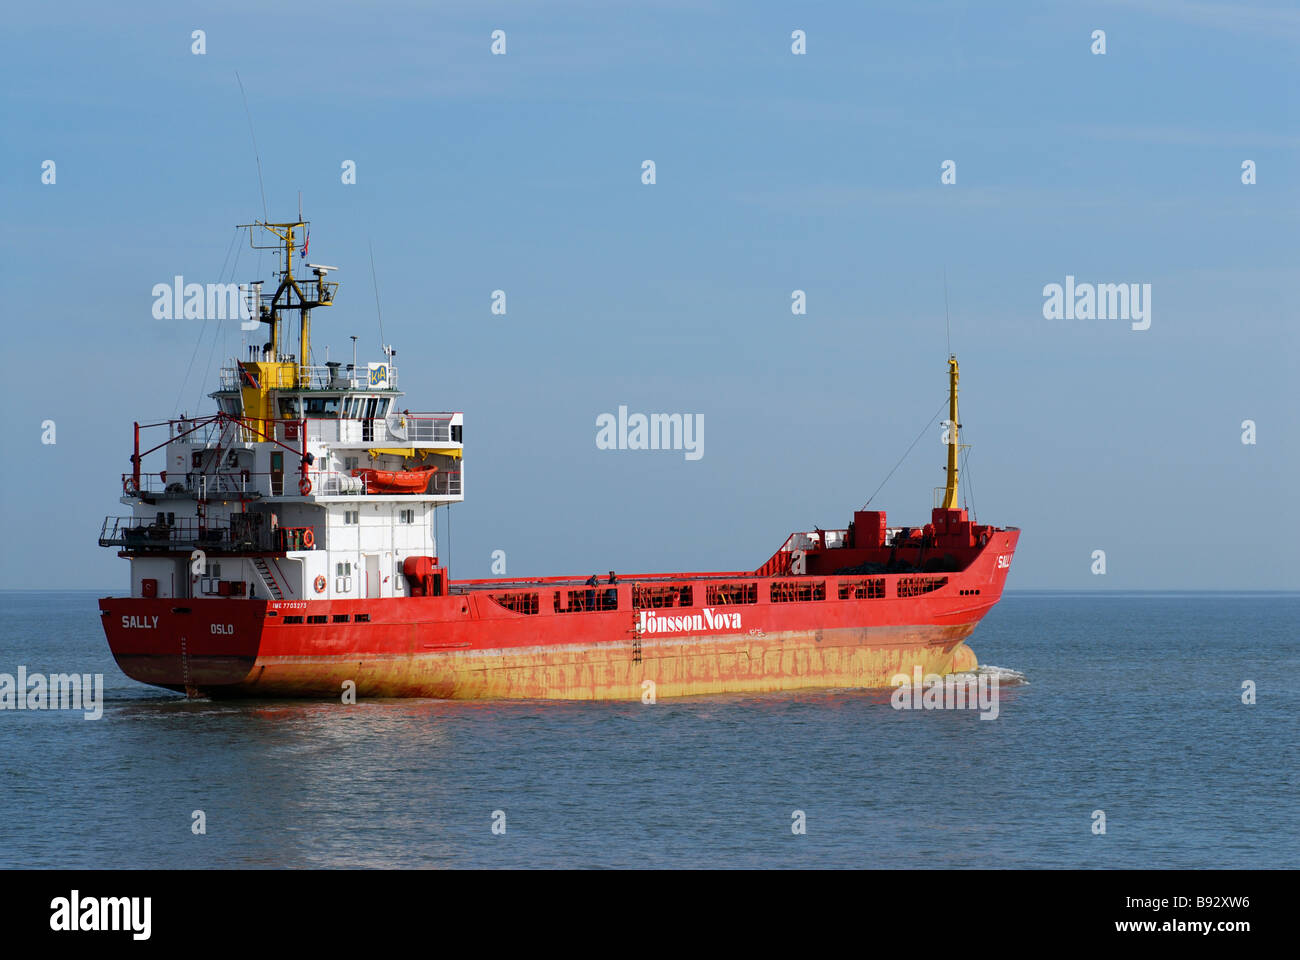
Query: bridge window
[[320, 407]]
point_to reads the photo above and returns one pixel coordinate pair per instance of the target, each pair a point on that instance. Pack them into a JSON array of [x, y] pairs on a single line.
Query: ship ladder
[[268, 580], [636, 638]]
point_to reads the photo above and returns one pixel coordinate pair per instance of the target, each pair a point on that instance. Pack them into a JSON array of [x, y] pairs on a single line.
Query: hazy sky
[[775, 172]]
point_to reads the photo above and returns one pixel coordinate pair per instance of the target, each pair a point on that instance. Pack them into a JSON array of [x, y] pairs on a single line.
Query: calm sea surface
[[1131, 705]]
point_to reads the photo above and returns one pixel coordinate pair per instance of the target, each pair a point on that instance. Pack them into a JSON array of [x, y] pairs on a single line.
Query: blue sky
[[774, 172]]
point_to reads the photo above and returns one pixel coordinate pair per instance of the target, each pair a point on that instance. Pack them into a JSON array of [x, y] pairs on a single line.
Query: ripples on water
[[1128, 704]]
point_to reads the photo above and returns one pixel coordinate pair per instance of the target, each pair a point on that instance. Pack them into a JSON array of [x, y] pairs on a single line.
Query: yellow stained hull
[[676, 667]]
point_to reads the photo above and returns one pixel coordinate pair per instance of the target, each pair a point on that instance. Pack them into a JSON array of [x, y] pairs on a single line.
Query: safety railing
[[247, 533], [335, 483], [419, 427], [446, 484], [396, 428], [164, 534], [151, 483], [206, 486], [313, 377], [254, 485]]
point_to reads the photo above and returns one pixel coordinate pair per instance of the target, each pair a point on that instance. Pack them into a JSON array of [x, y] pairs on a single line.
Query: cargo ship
[[286, 548]]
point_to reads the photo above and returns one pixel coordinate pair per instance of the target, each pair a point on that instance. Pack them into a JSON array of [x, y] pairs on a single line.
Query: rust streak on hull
[[686, 667]]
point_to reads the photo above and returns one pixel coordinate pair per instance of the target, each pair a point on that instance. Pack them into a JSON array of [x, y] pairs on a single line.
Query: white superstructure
[[310, 482]]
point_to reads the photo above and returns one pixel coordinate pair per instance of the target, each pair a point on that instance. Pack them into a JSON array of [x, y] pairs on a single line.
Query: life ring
[[304, 486], [309, 540], [320, 583], [129, 485]]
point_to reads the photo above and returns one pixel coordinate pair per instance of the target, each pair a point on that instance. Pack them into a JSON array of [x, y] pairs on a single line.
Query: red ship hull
[[492, 639], [255, 501]]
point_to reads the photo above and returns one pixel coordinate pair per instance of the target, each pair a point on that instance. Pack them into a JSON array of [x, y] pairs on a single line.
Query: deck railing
[[207, 486], [684, 592], [165, 534], [253, 485], [189, 533], [315, 377], [396, 428], [335, 483], [419, 427]]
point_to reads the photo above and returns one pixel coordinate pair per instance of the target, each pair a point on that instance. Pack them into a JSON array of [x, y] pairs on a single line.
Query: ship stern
[[183, 645]]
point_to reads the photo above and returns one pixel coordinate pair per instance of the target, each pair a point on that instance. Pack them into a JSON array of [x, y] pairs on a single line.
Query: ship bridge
[[310, 480], [349, 418]]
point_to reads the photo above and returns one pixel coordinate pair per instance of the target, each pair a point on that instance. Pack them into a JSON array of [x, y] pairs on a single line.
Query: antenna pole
[[947, 326], [257, 156], [378, 310]]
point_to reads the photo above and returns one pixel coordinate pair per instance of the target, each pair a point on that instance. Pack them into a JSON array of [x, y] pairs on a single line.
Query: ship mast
[[950, 489], [290, 295]]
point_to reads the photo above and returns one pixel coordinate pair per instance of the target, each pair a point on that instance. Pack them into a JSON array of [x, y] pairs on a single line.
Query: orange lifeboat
[[396, 481]]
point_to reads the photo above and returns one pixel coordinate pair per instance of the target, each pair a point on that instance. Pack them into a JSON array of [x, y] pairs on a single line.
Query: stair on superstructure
[[268, 580]]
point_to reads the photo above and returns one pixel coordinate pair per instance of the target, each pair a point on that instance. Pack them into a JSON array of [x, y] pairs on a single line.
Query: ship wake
[[1005, 676]]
